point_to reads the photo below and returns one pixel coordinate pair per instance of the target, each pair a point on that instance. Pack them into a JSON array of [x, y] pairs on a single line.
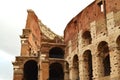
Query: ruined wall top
[[96, 11], [46, 32], [40, 31]]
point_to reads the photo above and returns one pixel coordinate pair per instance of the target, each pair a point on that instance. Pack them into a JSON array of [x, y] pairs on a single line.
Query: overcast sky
[[55, 14]]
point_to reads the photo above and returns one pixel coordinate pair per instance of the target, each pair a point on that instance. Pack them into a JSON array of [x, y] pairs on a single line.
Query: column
[[81, 73], [66, 71], [71, 73], [98, 69], [18, 73], [45, 70], [85, 70], [115, 61], [66, 75]]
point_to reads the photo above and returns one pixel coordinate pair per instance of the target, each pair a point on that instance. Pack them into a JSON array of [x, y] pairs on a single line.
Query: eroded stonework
[[90, 49]]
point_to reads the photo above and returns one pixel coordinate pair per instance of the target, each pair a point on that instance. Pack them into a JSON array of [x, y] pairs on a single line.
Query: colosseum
[[89, 49]]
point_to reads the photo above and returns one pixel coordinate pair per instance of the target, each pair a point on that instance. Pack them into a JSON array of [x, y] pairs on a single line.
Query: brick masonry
[[90, 49]]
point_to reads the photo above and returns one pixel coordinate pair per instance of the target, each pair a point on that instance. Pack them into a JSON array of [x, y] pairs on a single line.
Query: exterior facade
[[90, 49]]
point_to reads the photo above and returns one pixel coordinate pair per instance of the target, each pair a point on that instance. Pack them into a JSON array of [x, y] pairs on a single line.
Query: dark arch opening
[[30, 70], [75, 61], [118, 43], [56, 52], [88, 62], [76, 67], [103, 50], [106, 63], [56, 72], [87, 38], [67, 66], [103, 47]]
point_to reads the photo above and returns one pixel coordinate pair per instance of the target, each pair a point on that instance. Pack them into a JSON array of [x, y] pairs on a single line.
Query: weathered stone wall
[[98, 34], [83, 19], [91, 47], [112, 5], [33, 25], [36, 43]]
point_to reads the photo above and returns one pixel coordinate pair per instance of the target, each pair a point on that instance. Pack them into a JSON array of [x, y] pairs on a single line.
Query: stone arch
[[56, 71], [56, 52], [75, 66], [30, 71], [104, 57], [87, 65], [86, 37]]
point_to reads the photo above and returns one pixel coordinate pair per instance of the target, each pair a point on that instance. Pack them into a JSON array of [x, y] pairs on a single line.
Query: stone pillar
[[18, 69], [25, 47], [114, 61], [18, 73], [71, 73], [40, 74], [45, 70], [81, 74], [74, 74], [85, 70], [93, 30], [110, 22], [98, 69], [66, 75], [79, 42], [66, 71], [113, 51]]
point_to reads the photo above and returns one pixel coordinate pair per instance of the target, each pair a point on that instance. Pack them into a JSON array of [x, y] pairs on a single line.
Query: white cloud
[[6, 56], [6, 68]]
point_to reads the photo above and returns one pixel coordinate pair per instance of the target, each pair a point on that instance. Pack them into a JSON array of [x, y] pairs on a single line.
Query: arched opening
[[67, 66], [56, 72], [86, 38], [88, 64], [103, 50], [75, 68], [30, 70], [56, 52]]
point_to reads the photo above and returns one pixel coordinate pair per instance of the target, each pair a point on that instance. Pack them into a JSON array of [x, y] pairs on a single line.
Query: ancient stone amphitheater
[[89, 50]]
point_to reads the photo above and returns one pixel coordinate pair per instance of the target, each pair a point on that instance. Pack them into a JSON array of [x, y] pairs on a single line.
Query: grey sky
[[13, 13]]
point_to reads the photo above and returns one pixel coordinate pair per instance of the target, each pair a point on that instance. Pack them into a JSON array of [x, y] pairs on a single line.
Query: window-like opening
[[106, 63], [56, 52], [88, 64], [100, 4], [103, 50], [118, 43], [56, 72], [30, 70], [86, 38], [75, 68]]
